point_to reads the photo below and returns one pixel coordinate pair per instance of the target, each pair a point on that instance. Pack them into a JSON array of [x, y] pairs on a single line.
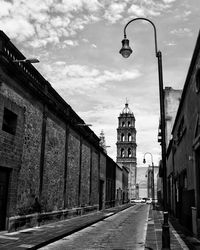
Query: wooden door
[[4, 178]]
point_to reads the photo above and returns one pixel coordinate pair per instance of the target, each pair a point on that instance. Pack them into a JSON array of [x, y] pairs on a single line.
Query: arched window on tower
[[129, 123], [122, 137], [129, 137], [129, 152], [123, 124], [122, 152]]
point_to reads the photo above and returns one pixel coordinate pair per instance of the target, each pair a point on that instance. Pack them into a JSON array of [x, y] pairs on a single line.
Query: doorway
[[4, 179], [101, 184]]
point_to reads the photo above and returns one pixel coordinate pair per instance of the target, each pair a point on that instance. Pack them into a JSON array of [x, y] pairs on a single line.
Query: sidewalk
[[34, 238], [154, 233]]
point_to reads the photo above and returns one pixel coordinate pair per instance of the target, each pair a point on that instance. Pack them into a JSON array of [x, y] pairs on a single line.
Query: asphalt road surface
[[125, 230]]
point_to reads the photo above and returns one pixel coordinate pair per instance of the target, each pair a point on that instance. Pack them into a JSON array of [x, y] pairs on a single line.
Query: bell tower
[[126, 147]]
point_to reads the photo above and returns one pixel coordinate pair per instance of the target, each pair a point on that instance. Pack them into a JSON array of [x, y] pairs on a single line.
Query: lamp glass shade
[[126, 50], [32, 60]]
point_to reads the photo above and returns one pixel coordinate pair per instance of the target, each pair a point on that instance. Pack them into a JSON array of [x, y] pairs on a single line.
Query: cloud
[[114, 12], [136, 10], [5, 7], [20, 30], [81, 78], [51, 21], [181, 31], [39, 23], [172, 43], [85, 40], [148, 7], [71, 43], [169, 1]]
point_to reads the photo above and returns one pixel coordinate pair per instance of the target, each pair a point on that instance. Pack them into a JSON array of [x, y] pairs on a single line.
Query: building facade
[[183, 153], [51, 167], [171, 99], [126, 147]]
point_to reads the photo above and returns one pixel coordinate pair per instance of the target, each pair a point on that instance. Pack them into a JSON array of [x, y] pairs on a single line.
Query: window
[[185, 181], [9, 121], [122, 152], [129, 152], [123, 124], [129, 137], [122, 137], [197, 81], [129, 124], [181, 129]]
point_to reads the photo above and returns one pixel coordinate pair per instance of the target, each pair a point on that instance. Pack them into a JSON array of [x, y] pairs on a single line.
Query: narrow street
[[124, 230]]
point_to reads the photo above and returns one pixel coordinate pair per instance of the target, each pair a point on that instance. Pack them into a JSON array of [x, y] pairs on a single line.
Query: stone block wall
[[73, 170], [28, 168], [54, 165], [11, 146], [85, 175], [103, 177], [50, 160], [95, 178]]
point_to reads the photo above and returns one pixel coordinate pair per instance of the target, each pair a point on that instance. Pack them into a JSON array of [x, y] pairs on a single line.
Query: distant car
[[149, 201], [137, 201]]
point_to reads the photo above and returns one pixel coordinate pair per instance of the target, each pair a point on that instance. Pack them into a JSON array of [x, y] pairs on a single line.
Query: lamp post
[[125, 51], [152, 179]]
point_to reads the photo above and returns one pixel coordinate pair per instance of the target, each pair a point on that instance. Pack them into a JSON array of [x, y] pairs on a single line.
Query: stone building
[[172, 99], [183, 153], [126, 146], [51, 167], [152, 182]]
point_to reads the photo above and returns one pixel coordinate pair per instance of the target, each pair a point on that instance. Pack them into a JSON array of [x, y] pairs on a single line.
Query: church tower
[[126, 147]]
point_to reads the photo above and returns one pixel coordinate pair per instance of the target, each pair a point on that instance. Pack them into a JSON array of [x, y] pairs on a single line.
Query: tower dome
[[126, 109]]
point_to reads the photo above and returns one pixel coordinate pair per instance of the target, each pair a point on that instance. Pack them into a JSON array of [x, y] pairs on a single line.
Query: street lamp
[[83, 125], [125, 51], [28, 60], [152, 179]]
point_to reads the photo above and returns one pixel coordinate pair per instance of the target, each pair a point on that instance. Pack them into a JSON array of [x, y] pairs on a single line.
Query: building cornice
[[31, 80]]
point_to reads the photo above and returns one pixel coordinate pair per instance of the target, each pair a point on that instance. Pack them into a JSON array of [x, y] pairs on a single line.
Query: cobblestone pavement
[[33, 238], [124, 230], [118, 231]]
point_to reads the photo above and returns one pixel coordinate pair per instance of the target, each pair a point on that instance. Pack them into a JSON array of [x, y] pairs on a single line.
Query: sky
[[78, 43]]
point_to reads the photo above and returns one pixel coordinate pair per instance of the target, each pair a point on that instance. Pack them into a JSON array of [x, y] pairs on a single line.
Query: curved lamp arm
[[144, 161], [144, 19]]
